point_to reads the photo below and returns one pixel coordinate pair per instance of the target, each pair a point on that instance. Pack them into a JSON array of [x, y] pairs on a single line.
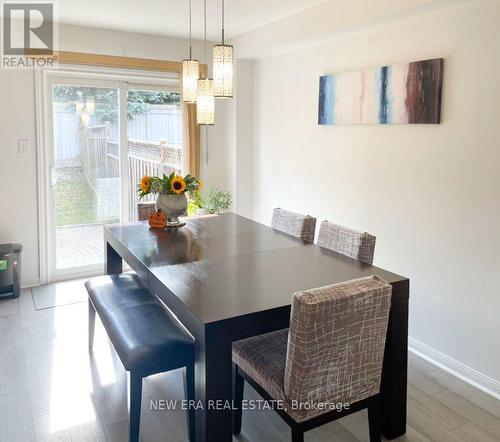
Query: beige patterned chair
[[349, 242], [331, 356], [295, 224], [144, 209]]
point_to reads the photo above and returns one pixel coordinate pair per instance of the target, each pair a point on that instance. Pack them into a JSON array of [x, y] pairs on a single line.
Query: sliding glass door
[[105, 134]]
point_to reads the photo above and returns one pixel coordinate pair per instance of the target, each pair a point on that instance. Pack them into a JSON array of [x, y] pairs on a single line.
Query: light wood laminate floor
[[51, 390]]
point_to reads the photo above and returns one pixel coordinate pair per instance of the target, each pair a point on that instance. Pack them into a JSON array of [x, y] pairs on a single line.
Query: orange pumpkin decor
[[157, 220]]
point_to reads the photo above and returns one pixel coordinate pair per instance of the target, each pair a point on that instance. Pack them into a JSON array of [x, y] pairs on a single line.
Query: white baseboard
[[464, 372]]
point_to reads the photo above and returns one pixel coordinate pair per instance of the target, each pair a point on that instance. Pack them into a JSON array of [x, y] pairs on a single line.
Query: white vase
[[173, 206]]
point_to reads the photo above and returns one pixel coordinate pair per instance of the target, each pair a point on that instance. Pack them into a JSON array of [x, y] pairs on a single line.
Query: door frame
[[120, 79]]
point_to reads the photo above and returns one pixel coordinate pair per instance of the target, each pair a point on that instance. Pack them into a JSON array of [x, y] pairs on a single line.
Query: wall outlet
[[23, 146]]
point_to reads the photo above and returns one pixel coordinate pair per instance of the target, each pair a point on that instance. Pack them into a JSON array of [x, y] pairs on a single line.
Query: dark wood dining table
[[226, 278]]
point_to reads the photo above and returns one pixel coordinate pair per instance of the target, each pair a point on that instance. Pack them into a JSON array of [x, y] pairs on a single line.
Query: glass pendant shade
[[205, 102], [223, 71], [190, 75]]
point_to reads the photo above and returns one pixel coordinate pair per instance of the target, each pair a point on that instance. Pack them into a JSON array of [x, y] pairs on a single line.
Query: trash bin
[[10, 270]]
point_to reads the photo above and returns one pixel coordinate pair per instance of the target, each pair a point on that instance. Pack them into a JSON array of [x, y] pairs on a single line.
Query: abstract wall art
[[408, 93]]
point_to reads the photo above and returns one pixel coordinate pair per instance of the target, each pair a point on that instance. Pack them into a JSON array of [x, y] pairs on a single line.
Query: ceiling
[[170, 17]]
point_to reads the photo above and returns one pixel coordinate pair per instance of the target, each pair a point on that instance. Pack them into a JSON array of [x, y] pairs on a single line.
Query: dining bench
[[146, 336]]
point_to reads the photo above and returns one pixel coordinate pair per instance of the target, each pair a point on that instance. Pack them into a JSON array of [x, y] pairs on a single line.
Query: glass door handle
[[53, 176]]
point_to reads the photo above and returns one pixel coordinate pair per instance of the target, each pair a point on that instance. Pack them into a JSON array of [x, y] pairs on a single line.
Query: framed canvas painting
[[407, 93]]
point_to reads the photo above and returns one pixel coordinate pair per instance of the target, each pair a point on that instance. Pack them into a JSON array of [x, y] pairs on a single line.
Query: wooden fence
[[160, 122], [66, 148], [152, 159]]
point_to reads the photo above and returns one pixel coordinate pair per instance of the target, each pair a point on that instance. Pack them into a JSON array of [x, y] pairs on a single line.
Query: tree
[[106, 100]]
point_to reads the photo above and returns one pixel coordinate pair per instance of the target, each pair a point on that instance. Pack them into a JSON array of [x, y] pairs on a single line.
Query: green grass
[[75, 199]]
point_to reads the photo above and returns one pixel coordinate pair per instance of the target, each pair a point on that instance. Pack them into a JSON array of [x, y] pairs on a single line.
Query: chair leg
[[134, 404], [188, 376], [297, 434], [91, 326], [239, 386], [374, 420]]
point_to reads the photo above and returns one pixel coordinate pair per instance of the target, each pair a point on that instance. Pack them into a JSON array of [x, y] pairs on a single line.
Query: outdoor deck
[[79, 246]]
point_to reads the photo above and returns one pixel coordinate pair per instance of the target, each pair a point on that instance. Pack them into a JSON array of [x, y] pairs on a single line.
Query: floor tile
[[434, 408], [474, 395], [14, 369], [429, 427], [472, 432], [16, 420], [9, 306], [471, 412], [59, 294]]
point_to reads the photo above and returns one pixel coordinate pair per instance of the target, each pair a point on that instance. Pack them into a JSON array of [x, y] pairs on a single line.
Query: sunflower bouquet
[[167, 185]]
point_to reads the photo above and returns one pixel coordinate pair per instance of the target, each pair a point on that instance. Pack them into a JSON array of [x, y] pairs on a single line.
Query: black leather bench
[[146, 336]]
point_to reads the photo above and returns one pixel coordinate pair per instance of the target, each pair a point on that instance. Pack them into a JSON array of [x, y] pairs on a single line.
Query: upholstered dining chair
[[295, 224], [144, 209], [328, 364], [349, 242]]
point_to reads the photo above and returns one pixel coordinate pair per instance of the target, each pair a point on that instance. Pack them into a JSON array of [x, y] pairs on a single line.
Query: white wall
[[244, 137], [18, 180], [429, 193]]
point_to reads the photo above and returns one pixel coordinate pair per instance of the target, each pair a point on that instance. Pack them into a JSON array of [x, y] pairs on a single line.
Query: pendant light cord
[[222, 22], [205, 34], [190, 38]]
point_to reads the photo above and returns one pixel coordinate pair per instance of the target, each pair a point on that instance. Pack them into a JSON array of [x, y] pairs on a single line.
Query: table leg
[[113, 261], [395, 371], [213, 379]]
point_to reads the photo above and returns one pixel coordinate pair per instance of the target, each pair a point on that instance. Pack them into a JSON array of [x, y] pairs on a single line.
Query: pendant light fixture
[[223, 63], [190, 72], [205, 102]]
